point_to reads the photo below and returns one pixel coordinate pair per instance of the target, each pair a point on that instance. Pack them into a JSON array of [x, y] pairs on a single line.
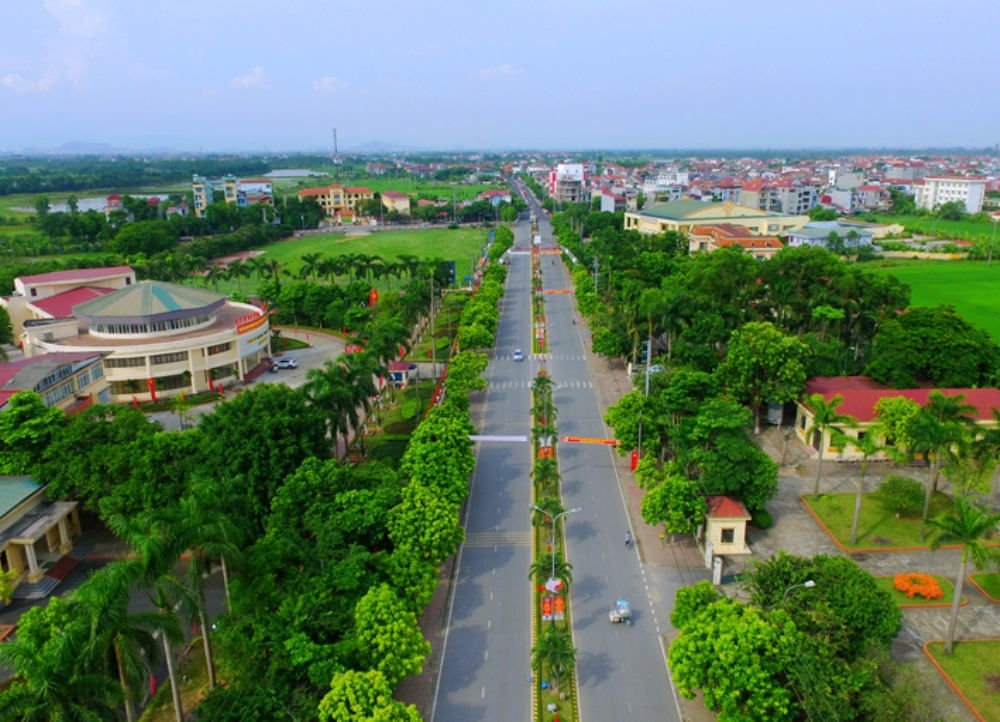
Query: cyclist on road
[[628, 539]]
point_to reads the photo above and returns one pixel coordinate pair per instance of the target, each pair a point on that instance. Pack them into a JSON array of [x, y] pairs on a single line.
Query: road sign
[[587, 440]]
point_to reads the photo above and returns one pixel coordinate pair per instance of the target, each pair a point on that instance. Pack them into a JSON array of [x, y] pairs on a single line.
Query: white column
[[34, 573], [65, 544]]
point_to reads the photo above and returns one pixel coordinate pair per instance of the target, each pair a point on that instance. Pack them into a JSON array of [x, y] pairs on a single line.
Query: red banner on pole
[[152, 388], [373, 297], [560, 613], [546, 609], [635, 460]]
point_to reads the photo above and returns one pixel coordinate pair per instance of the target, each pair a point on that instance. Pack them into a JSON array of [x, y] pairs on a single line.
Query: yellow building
[[35, 531], [355, 194], [336, 198], [682, 216], [396, 201], [69, 381], [706, 239], [161, 339]]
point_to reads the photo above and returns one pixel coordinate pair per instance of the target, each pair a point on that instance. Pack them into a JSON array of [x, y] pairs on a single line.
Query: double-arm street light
[[554, 520]]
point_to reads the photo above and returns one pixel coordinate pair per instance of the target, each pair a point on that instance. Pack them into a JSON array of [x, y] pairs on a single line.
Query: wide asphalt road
[[621, 671], [487, 647]]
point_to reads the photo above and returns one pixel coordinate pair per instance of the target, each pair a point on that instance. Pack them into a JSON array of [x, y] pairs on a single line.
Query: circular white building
[[160, 339]]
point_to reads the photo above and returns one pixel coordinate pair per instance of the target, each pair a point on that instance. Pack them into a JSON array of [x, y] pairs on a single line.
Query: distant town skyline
[[636, 74]]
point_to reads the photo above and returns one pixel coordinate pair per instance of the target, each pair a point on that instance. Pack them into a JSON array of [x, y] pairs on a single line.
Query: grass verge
[[988, 584], [973, 670], [905, 602], [878, 529]]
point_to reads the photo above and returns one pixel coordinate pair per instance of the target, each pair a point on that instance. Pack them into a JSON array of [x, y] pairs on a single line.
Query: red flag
[[135, 402], [373, 297], [152, 685], [152, 388], [211, 386], [635, 460]]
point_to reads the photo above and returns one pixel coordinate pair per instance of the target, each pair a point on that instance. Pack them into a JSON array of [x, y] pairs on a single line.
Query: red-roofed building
[[61, 305], [396, 201], [711, 238], [29, 291], [495, 196], [860, 394], [725, 529]]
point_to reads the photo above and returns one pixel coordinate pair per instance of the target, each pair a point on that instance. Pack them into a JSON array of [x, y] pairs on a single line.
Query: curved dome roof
[[149, 302]]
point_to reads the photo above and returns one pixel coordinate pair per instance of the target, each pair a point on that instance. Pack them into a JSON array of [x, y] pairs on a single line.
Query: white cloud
[[255, 79], [75, 18], [23, 86], [329, 84], [499, 71]]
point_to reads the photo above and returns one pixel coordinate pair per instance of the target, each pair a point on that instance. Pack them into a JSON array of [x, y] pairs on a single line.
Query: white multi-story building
[[572, 175], [795, 199], [932, 192]]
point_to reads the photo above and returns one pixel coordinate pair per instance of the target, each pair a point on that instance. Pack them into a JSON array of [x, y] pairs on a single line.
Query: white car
[[285, 363], [518, 356]]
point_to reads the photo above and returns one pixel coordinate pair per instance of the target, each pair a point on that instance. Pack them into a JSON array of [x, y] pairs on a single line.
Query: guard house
[[33, 530], [725, 528]]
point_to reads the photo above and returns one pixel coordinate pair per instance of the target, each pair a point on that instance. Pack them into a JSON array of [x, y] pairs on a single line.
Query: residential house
[[707, 239], [396, 201], [817, 233]]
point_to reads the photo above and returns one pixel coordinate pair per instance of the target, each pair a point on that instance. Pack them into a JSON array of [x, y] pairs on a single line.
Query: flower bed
[[912, 602], [915, 583]]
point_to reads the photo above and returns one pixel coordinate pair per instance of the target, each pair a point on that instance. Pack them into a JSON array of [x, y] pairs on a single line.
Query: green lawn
[[974, 667], [458, 244], [969, 286], [904, 601], [965, 230], [990, 583], [878, 528]]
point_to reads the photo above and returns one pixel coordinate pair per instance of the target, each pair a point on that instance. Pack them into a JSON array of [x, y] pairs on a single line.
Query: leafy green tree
[[895, 413], [363, 697], [257, 439], [624, 418], [825, 418], [146, 237], [967, 526], [607, 343], [27, 427], [900, 495], [861, 612], [763, 364], [425, 524], [677, 503], [690, 601], [464, 376], [49, 683], [474, 336], [439, 454], [6, 333], [554, 653], [389, 638], [933, 345], [736, 656]]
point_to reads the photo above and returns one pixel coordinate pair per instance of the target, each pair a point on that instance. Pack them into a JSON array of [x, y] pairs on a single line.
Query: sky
[[546, 74]]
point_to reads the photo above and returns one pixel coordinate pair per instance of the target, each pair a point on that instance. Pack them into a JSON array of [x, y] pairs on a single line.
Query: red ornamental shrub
[[923, 584]]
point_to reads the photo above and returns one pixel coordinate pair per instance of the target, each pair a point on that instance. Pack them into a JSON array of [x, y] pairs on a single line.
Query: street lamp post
[[808, 584], [554, 520]]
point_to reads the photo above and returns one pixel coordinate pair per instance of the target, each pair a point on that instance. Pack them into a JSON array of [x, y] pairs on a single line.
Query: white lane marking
[[486, 655], [483, 695], [489, 623]]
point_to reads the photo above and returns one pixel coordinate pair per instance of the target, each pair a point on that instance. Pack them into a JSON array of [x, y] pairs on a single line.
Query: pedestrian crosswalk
[[527, 385], [498, 539], [542, 357]]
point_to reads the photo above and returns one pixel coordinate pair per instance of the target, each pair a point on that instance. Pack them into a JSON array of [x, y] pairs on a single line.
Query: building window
[[59, 393], [128, 281], [802, 422], [168, 358], [125, 363], [34, 291], [221, 348], [104, 397], [729, 536]]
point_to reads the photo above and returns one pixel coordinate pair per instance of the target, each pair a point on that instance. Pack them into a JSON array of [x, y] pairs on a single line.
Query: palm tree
[[50, 684], [150, 538], [214, 275], [272, 269], [968, 526], [868, 444], [236, 271], [546, 472], [555, 652], [825, 418], [548, 504], [194, 264], [310, 265], [119, 643], [256, 265], [328, 390], [541, 569], [933, 439]]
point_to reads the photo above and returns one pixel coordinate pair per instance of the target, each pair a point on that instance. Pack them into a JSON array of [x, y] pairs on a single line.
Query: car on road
[[285, 363], [518, 356]]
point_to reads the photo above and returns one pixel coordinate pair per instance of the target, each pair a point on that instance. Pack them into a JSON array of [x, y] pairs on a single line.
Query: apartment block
[[932, 192]]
